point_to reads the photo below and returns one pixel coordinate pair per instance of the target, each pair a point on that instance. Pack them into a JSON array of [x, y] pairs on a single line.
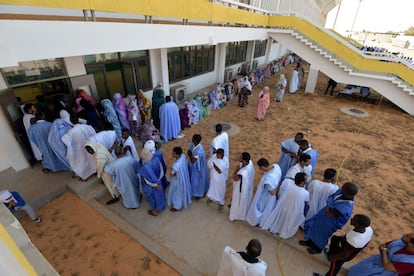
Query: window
[[236, 52], [33, 71], [260, 48], [186, 62]]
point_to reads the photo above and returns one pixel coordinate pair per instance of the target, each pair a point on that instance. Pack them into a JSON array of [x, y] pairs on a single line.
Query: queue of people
[[287, 197]]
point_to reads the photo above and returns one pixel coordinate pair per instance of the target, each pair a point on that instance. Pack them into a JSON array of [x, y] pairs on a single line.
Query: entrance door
[[128, 78], [101, 82], [14, 115]]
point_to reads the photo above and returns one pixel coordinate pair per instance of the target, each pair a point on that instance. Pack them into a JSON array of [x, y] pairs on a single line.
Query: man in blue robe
[[151, 173], [38, 134], [179, 194], [289, 151], [125, 179], [198, 168], [169, 119], [58, 129], [394, 258], [152, 146], [329, 219]]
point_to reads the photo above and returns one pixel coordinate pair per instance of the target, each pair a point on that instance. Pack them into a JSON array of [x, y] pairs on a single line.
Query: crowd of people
[[90, 138]]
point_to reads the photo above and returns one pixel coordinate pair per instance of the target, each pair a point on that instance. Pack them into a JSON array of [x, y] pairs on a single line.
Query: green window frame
[[187, 62]]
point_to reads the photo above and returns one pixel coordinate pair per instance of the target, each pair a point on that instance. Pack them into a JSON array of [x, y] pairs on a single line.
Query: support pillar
[[311, 80], [159, 69], [220, 61], [250, 51]]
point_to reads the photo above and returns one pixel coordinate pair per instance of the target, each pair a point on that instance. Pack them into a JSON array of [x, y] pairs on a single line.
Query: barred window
[[260, 48], [186, 62], [236, 52]]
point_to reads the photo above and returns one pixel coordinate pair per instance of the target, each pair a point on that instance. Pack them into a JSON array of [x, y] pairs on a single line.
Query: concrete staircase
[[389, 85]]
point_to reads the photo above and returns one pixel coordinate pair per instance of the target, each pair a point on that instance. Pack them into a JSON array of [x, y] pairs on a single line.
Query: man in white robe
[[243, 182], [218, 166], [319, 192], [243, 263], [265, 199], [81, 162], [288, 214], [28, 119], [303, 165], [221, 141], [294, 81], [129, 145], [106, 138]]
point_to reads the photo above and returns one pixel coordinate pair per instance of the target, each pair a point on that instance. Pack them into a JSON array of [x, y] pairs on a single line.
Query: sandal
[[152, 213], [45, 171], [39, 221]]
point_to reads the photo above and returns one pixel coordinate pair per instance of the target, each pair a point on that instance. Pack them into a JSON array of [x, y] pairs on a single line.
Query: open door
[[129, 78], [14, 115]]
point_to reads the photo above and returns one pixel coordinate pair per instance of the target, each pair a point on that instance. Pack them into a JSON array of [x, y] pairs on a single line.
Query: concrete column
[[159, 69], [74, 66], [311, 80], [250, 51], [220, 61], [164, 71], [268, 48], [3, 85]]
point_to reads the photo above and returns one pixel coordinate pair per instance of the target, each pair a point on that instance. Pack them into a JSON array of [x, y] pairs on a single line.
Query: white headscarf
[[150, 145], [6, 196], [65, 116], [146, 155], [101, 156]]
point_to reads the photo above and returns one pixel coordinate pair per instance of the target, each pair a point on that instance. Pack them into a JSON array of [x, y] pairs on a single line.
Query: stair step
[[95, 192], [78, 187]]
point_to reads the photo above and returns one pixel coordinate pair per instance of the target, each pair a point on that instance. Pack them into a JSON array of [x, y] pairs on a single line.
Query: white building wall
[[21, 39], [11, 155]]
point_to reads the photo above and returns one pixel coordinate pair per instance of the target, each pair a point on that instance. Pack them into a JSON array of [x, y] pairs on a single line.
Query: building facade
[[52, 50]]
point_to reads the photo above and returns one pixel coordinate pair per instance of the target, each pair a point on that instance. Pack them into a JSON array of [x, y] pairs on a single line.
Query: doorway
[[14, 115]]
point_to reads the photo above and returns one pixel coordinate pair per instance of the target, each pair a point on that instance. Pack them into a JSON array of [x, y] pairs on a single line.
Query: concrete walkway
[[190, 241]]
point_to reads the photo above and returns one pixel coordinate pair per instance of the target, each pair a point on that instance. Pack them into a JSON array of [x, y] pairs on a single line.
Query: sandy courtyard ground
[[373, 152], [76, 240]]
